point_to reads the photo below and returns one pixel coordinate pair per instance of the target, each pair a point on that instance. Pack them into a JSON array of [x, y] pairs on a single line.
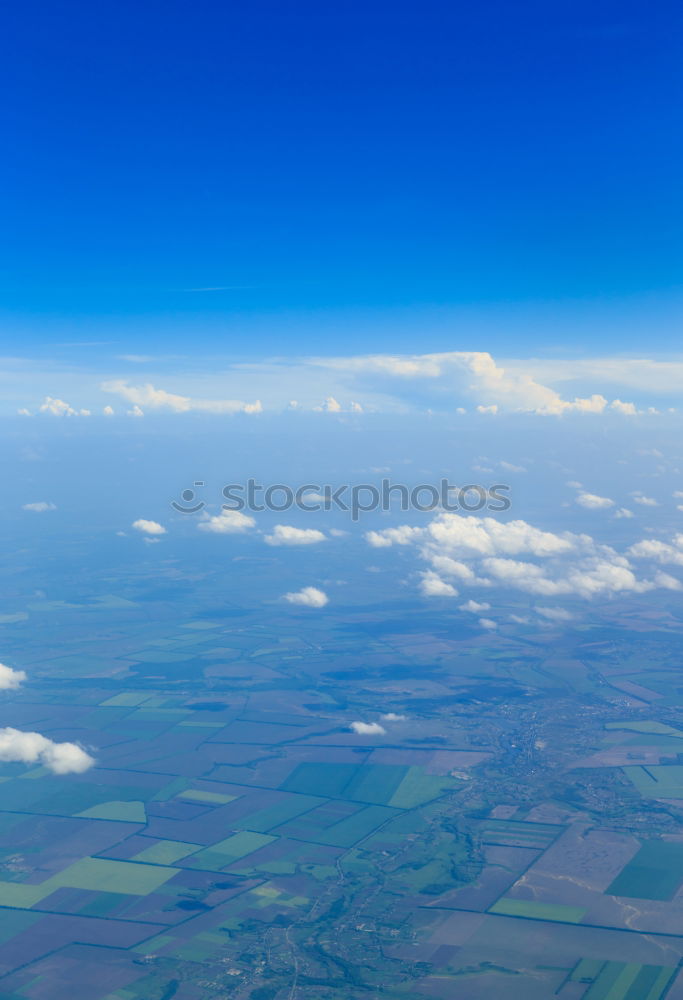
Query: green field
[[166, 852], [124, 812], [211, 798], [656, 728], [656, 872], [96, 874], [515, 833], [266, 819], [657, 781], [349, 831], [328, 780], [231, 850], [622, 980], [394, 785], [418, 787], [538, 911]]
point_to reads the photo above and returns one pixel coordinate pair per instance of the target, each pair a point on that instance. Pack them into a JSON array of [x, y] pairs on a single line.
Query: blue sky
[[258, 179]]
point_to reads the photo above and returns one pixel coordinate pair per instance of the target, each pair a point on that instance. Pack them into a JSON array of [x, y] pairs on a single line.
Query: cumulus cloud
[[645, 501], [591, 501], [33, 748], [11, 679], [432, 585], [59, 408], [330, 405], [488, 623], [628, 409], [39, 507], [477, 373], [662, 552], [108, 411], [285, 534], [555, 614], [367, 728], [149, 396], [308, 597], [392, 536], [228, 522], [623, 512], [483, 552], [476, 607], [148, 527], [393, 717]]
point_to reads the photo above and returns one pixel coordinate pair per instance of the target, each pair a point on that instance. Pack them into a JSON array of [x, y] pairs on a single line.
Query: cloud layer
[[150, 397]]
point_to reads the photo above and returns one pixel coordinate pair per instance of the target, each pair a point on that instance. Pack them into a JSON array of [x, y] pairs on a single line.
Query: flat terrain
[[514, 832]]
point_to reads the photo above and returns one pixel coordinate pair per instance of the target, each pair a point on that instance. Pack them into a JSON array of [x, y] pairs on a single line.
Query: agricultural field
[[514, 830]]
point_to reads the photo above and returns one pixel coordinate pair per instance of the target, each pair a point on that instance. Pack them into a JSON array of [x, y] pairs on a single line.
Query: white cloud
[[555, 614], [495, 387], [393, 717], [662, 552], [57, 407], [135, 412], [476, 607], [631, 373], [623, 512], [285, 534], [330, 405], [678, 494], [488, 623], [645, 501], [11, 679], [392, 536], [23, 412], [39, 507], [432, 585], [33, 748], [367, 728], [159, 399], [228, 522], [591, 501], [108, 411], [482, 552], [148, 527], [482, 536], [309, 597], [628, 409]]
